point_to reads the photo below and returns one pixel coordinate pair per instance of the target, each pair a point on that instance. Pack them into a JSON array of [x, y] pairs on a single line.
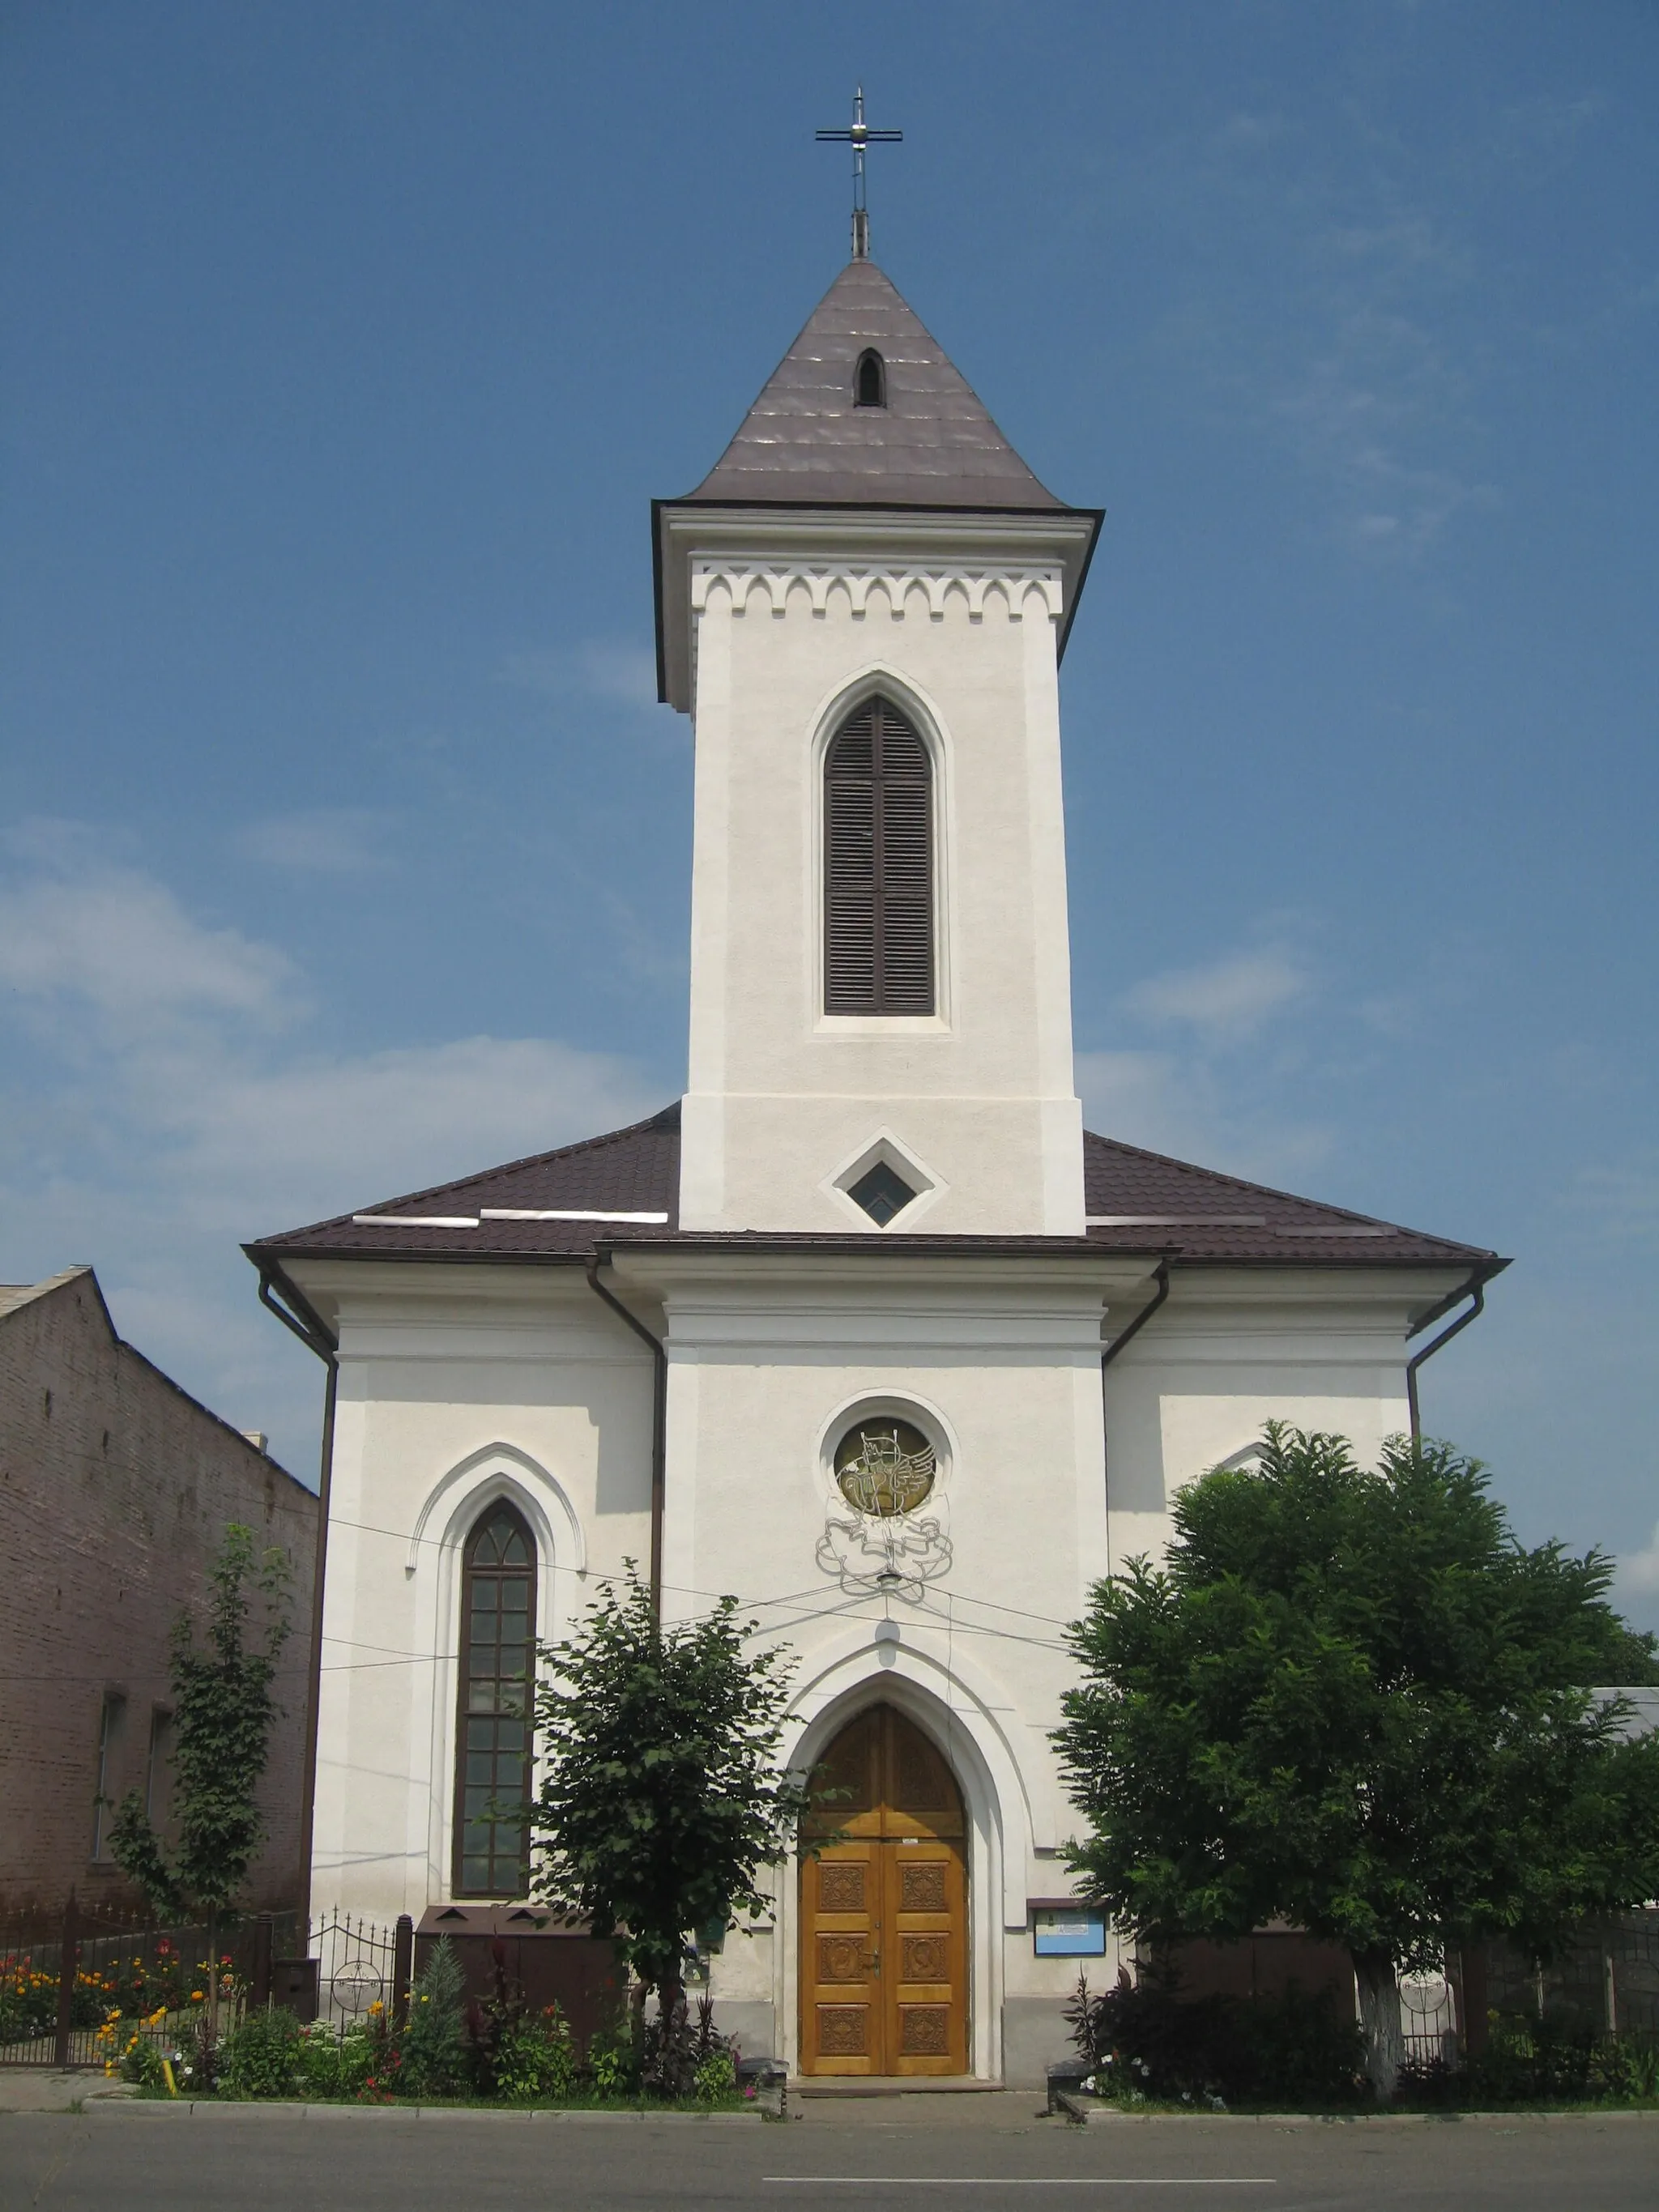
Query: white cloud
[[1167, 1104], [184, 1036], [335, 841], [313, 1137], [1246, 133], [1365, 413], [1639, 1570], [1622, 1199], [625, 672], [1226, 998], [173, 1107], [120, 941], [1133, 1096], [601, 669]]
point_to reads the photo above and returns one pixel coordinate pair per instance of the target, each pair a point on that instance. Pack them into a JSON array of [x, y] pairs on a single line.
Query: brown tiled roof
[[1135, 1198], [1137, 1201], [932, 445]]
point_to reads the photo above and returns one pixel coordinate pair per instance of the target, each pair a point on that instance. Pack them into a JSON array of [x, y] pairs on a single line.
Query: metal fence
[[1428, 2018], [360, 1963], [62, 1977], [1607, 1978]]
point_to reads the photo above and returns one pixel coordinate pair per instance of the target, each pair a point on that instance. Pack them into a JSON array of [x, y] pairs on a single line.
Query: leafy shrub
[[1143, 2040], [317, 2062], [672, 2051], [1629, 2068], [1557, 2059], [715, 2081], [535, 2058], [613, 2059], [261, 2057], [432, 2051], [200, 2050]]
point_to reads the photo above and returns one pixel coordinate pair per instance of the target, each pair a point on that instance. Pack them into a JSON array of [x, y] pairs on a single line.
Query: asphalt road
[[990, 2153]]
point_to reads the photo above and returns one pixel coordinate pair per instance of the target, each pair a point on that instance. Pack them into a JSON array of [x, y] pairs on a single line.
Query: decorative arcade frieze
[[934, 581]]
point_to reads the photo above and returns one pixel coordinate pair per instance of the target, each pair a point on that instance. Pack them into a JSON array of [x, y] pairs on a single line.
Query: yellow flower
[[196, 1996]]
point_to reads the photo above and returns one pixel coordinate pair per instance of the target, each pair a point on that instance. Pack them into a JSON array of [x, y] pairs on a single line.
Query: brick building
[[115, 1490]]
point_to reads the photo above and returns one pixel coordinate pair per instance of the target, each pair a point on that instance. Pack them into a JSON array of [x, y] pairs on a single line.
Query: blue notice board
[[1080, 1934]]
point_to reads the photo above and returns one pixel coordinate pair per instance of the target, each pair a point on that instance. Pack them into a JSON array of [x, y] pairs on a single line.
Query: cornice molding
[[937, 550]]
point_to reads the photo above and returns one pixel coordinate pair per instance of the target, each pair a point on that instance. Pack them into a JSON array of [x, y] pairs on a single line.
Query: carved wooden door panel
[[840, 1894], [924, 1959], [884, 1967]]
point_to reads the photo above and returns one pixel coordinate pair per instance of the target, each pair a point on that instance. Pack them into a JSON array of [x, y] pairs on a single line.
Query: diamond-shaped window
[[882, 1192]]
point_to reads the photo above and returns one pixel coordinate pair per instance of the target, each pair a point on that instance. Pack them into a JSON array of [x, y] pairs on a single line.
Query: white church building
[[866, 1329]]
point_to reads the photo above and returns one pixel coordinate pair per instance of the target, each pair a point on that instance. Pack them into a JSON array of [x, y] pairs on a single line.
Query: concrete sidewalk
[[43, 2089]]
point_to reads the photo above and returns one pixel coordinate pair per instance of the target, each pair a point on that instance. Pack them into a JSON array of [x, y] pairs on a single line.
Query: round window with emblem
[[885, 1465]]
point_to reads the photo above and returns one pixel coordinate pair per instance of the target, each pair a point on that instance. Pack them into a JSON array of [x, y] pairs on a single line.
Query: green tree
[[1351, 1700], [661, 1797], [431, 2050], [224, 1710]]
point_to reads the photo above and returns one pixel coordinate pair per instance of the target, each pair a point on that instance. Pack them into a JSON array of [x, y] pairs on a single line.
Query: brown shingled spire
[[927, 440]]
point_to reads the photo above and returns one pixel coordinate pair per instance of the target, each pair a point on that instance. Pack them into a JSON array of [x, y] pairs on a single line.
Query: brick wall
[[115, 1490]]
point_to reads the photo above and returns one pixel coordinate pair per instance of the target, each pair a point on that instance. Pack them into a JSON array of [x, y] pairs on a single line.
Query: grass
[[589, 2104]]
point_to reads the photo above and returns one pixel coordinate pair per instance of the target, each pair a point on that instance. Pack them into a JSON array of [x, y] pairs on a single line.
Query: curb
[[1084, 2111]]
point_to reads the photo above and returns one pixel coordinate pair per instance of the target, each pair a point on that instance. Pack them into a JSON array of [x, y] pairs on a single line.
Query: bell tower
[[862, 608]]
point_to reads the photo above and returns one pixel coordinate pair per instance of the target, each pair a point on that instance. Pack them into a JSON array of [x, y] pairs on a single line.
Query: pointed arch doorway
[[883, 1912]]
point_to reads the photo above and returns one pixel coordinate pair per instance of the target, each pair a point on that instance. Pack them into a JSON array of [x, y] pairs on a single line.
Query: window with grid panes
[[498, 1615]]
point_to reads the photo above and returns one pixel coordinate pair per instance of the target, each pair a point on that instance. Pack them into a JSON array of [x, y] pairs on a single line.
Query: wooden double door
[[883, 1965]]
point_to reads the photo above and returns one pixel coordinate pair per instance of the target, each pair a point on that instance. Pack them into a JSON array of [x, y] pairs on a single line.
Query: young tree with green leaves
[[1351, 1701], [223, 1714], [661, 1797]]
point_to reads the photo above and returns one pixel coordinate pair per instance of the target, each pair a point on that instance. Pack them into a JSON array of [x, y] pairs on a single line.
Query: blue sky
[[342, 848]]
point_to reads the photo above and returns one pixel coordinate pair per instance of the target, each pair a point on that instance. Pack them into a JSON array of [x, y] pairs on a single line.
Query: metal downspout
[[314, 1333], [1474, 1288], [1121, 1341], [659, 1422]]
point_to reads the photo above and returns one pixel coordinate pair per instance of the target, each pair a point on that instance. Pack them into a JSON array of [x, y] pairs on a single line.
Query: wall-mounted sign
[[1077, 1935]]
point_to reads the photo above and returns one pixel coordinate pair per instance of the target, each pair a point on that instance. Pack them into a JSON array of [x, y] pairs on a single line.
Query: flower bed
[[495, 2053]]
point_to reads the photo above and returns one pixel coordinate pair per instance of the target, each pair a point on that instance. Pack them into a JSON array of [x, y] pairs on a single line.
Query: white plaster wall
[[766, 1369], [453, 1391], [1232, 1349], [458, 1384], [780, 1096]]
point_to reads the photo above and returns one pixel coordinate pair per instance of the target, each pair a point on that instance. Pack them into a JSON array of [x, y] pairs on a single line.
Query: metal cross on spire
[[858, 138]]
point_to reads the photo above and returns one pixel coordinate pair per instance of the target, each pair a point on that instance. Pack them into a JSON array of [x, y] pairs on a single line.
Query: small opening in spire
[[870, 380]]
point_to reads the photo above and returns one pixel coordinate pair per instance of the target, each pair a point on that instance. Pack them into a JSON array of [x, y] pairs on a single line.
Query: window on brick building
[[492, 1773], [158, 1769], [112, 1722]]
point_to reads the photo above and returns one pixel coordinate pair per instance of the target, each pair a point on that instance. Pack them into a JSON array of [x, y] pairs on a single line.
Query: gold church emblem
[[884, 1467]]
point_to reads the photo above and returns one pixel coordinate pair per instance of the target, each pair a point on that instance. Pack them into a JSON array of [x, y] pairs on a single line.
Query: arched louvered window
[[870, 380], [492, 1765], [877, 866]]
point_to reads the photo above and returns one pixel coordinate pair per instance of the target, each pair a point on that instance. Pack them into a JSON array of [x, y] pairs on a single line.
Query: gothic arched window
[[870, 380], [877, 866], [492, 1764]]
